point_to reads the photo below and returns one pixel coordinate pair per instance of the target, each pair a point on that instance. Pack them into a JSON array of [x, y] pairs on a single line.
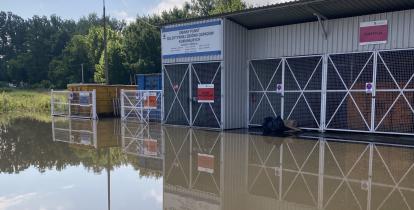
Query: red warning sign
[[150, 100], [205, 163], [374, 32], [205, 93], [150, 147]]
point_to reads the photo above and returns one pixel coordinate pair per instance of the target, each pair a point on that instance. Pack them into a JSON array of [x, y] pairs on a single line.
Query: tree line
[[49, 52]]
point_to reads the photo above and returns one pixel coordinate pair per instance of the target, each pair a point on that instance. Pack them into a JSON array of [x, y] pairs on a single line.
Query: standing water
[[81, 164]]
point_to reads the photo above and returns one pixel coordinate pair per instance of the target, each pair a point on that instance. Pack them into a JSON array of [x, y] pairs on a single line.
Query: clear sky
[[74, 9]]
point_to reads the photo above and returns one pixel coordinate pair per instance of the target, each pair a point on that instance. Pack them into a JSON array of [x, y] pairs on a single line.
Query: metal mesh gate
[[176, 94], [348, 100], [394, 111], [206, 114], [264, 96], [302, 90]]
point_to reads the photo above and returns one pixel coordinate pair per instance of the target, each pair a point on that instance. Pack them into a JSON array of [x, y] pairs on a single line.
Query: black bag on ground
[[273, 125]]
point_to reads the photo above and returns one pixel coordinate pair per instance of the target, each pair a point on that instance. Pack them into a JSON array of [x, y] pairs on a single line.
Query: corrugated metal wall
[[235, 76], [195, 58], [342, 36]]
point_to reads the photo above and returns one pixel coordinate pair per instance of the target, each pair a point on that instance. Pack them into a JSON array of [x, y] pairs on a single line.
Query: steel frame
[[67, 102], [325, 121], [264, 90], [138, 108], [193, 71], [137, 137], [190, 71], [325, 150]]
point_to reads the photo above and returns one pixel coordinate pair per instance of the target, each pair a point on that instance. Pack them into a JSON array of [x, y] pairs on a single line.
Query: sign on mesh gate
[[141, 105], [205, 93], [75, 104]]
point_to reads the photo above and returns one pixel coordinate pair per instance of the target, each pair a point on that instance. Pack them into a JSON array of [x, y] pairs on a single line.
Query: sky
[[120, 9]]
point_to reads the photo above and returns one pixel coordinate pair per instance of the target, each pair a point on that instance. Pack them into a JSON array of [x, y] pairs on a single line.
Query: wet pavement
[[80, 164]]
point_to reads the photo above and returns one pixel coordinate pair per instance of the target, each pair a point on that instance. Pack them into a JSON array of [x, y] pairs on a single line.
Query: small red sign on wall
[[205, 93], [374, 32], [205, 163]]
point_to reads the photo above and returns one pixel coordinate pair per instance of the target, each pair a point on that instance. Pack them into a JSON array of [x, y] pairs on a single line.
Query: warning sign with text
[[150, 100], [205, 93], [374, 32], [205, 163]]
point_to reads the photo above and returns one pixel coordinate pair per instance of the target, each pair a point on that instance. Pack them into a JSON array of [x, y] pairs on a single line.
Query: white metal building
[[343, 65]]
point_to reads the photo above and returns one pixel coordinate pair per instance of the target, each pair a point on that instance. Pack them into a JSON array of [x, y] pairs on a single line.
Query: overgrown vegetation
[[47, 52], [24, 101]]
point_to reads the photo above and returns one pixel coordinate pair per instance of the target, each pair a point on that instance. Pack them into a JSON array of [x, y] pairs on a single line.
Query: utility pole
[[105, 46], [82, 73]]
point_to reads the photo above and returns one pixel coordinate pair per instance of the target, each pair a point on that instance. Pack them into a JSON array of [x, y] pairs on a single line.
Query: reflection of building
[[193, 169], [329, 175], [256, 172], [145, 142], [85, 132]]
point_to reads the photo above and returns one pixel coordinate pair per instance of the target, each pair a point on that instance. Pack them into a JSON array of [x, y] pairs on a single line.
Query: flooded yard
[[81, 164]]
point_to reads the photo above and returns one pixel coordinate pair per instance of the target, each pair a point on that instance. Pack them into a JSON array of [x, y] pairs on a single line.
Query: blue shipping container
[[149, 81]]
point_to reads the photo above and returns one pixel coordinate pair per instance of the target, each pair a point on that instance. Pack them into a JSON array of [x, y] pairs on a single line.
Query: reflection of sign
[[368, 87], [205, 163], [85, 138], [374, 32], [150, 147], [200, 39], [205, 93], [84, 98], [279, 88], [150, 100]]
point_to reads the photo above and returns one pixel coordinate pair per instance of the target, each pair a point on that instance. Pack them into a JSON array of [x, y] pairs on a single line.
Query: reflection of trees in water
[[26, 142]]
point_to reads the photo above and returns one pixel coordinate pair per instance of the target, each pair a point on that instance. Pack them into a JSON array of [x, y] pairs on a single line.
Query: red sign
[[205, 163], [150, 100], [375, 32], [150, 147], [205, 93]]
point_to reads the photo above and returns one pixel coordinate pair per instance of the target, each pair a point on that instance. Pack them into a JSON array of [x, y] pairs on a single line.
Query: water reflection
[[106, 164]]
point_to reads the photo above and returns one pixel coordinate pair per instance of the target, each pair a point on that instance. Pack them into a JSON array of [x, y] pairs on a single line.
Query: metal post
[[190, 69], [52, 103], [82, 73], [374, 89], [323, 94], [69, 104], [282, 98], [95, 116], [321, 172], [105, 46], [162, 96], [122, 105], [371, 155]]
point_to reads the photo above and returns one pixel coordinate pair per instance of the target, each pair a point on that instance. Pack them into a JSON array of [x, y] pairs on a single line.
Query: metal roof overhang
[[301, 11]]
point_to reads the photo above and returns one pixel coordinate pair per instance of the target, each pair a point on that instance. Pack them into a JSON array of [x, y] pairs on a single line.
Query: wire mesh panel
[[176, 94], [141, 105], [75, 131], [206, 164], [302, 90], [394, 111], [142, 140], [265, 87], [206, 94], [349, 91], [76, 104]]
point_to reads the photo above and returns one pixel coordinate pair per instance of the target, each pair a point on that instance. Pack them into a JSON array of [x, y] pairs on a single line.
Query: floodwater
[[80, 164]]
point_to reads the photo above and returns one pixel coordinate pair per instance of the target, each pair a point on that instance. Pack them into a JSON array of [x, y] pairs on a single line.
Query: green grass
[[17, 100]]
